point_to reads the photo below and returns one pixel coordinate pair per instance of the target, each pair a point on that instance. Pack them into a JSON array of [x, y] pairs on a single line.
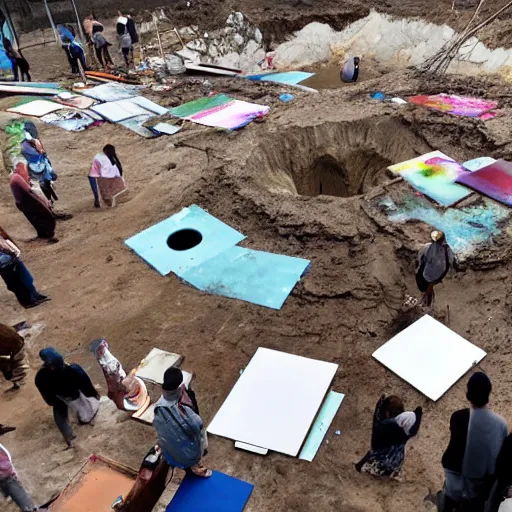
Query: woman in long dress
[[106, 177], [36, 208]]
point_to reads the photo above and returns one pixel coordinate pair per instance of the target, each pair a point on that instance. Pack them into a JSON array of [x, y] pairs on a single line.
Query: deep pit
[[336, 159]]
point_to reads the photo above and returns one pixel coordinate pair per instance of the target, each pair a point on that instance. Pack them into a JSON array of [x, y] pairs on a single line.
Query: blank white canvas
[[429, 356], [156, 363], [37, 108], [275, 401], [120, 110]]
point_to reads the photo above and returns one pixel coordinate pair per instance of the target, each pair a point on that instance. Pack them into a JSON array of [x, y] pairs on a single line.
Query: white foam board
[[37, 108], [275, 401], [120, 110], [251, 448], [429, 356]]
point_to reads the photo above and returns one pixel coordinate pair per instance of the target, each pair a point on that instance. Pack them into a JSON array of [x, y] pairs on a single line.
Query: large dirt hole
[[342, 159], [327, 176]]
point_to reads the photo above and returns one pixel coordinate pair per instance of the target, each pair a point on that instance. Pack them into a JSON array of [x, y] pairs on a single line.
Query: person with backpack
[[125, 40], [434, 261], [181, 433]]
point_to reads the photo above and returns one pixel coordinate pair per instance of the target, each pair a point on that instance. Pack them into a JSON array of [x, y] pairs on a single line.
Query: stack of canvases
[[445, 181]]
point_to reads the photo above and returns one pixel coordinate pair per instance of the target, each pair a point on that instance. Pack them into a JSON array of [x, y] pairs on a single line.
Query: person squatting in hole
[[350, 71]]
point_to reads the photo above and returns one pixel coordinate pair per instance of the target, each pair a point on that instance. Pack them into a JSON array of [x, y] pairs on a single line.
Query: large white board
[[275, 401], [429, 356]]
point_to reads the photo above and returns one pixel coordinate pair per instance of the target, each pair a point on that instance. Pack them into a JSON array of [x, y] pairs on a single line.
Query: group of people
[[67, 388], [477, 462]]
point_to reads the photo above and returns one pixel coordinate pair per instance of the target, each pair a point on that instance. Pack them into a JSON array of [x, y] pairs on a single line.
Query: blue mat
[[287, 77], [219, 493], [151, 244], [254, 276]]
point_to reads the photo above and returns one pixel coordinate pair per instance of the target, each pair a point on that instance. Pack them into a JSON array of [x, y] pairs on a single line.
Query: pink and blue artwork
[[434, 175], [494, 181]]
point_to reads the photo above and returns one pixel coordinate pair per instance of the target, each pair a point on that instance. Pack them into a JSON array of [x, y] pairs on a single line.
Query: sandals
[[201, 470]]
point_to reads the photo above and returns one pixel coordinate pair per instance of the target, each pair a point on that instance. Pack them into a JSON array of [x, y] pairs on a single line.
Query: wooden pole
[[155, 21], [78, 22], [52, 23]]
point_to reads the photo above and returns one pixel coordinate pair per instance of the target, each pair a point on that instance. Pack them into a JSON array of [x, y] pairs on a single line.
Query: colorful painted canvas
[[434, 175], [494, 181], [466, 229], [220, 111], [457, 105]]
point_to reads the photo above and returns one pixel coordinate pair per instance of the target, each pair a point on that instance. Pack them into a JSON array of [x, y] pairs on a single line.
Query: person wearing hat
[[434, 261], [476, 438], [181, 433]]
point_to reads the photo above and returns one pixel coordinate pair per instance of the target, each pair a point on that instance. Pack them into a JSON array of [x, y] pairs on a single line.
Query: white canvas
[[36, 108], [275, 401], [153, 366], [429, 356], [116, 111]]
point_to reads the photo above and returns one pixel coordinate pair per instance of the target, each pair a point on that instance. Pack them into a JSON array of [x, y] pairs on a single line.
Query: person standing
[[36, 208], [10, 485], [392, 429], [13, 363], [101, 46], [66, 386], [125, 40], [434, 261], [181, 433], [476, 438], [18, 62], [16, 275], [106, 177]]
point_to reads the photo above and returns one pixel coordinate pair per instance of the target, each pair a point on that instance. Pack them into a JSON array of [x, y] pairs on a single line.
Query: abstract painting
[[494, 181], [457, 105], [220, 111], [434, 175]]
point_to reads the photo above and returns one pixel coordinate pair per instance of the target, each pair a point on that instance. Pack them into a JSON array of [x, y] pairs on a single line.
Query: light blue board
[[259, 277], [478, 163], [287, 78], [151, 244], [321, 425]]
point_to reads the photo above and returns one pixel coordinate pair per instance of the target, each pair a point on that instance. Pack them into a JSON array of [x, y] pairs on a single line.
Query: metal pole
[[52, 23], [79, 23]]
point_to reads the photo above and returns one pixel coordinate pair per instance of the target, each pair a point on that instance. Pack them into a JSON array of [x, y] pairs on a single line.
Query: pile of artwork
[[429, 356], [457, 105], [255, 414], [494, 181], [220, 111], [206, 256], [434, 174]]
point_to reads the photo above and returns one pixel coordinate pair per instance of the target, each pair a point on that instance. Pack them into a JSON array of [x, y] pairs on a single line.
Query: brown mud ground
[[346, 306]]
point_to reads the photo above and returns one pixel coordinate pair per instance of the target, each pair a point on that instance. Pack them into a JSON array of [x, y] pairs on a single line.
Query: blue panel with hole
[[206, 236], [259, 277]]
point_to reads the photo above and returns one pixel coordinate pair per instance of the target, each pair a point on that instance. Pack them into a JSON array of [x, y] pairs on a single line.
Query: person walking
[[476, 438], [106, 177], [392, 429], [125, 40], [66, 386], [10, 485], [181, 433], [16, 275], [434, 261]]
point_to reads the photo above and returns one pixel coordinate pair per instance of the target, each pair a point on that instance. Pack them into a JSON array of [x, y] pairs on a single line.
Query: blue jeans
[[11, 488], [19, 281]]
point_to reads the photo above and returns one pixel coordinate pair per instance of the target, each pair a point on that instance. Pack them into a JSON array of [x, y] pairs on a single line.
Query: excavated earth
[[301, 184]]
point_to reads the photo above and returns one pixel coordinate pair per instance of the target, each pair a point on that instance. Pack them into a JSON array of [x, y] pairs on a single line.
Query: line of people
[[477, 462]]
